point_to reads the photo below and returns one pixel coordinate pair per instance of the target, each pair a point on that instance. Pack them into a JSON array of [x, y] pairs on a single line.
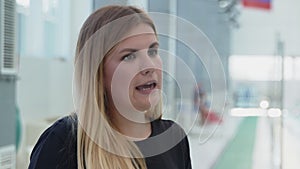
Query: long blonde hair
[[99, 144]]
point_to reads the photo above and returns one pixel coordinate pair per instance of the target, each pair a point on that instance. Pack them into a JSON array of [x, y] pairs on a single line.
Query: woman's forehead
[[139, 42], [139, 38]]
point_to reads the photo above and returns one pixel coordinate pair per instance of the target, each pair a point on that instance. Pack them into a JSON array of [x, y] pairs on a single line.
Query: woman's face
[[133, 71]]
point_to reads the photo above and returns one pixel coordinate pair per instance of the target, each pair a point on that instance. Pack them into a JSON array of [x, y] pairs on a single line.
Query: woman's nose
[[147, 64], [147, 71]]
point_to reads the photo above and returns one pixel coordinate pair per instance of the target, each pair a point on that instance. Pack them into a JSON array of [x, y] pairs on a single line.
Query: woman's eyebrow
[[132, 50], [155, 44]]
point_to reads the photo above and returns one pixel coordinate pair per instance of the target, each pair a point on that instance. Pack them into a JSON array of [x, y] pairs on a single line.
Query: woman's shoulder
[[59, 131], [61, 128], [55, 143]]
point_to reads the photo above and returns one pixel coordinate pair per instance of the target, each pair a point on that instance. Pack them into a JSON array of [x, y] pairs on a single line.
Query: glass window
[[43, 28]]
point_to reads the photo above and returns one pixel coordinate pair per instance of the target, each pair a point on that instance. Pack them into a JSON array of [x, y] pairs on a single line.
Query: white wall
[[258, 28], [44, 89]]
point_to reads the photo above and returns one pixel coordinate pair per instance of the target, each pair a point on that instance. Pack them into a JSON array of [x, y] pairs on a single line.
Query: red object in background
[[211, 117], [262, 4]]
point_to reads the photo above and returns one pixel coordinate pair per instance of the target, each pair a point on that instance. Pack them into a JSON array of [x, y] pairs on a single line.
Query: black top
[[57, 146]]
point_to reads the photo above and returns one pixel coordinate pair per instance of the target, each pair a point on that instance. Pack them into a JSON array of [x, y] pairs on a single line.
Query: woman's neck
[[134, 130]]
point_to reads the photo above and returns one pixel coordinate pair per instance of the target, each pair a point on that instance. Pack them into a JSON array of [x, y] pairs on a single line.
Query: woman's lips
[[146, 88]]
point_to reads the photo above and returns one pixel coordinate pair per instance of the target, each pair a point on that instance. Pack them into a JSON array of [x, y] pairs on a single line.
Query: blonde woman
[[117, 96]]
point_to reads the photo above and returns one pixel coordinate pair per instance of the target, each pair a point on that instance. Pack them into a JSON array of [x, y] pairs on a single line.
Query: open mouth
[[149, 86]]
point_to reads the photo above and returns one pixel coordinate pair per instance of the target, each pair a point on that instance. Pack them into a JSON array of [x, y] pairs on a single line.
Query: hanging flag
[[262, 4]]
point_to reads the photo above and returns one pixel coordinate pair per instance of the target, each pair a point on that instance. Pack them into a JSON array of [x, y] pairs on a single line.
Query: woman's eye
[[152, 52], [129, 57]]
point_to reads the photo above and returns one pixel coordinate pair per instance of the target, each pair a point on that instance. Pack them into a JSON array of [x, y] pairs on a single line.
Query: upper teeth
[[146, 88]]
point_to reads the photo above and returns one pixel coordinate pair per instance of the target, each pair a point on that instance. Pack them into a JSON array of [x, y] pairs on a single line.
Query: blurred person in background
[[201, 104]]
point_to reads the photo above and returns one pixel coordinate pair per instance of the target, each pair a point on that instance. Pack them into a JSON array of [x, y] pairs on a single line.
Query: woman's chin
[[147, 102]]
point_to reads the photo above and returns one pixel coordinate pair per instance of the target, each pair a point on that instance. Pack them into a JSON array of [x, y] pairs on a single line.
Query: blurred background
[[239, 103]]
